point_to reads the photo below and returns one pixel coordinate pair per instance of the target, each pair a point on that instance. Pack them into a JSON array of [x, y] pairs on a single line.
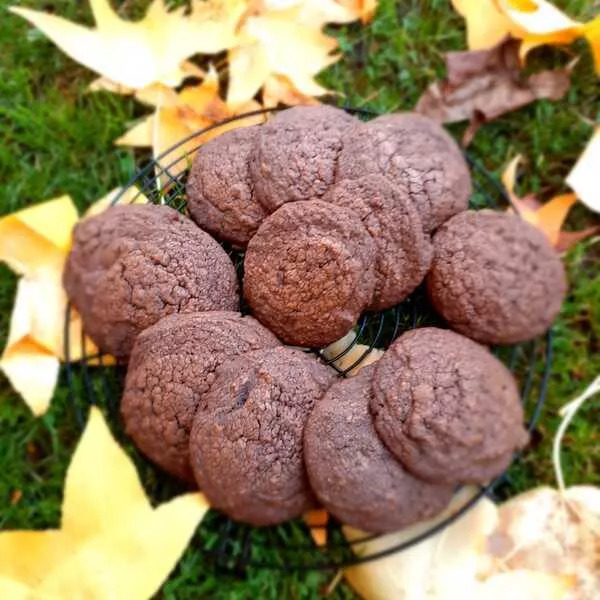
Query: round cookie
[[309, 272], [404, 251], [415, 154], [171, 369], [134, 264], [296, 154], [353, 474], [246, 442], [495, 278], [446, 407], [220, 195]]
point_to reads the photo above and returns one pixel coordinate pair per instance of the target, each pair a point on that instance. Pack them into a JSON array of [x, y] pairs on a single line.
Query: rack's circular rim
[[355, 559]]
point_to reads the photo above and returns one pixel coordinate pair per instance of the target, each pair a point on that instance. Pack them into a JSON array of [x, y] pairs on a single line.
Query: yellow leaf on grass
[[549, 217], [137, 54], [277, 43], [487, 26], [534, 22], [39, 236], [320, 12], [33, 373], [584, 177], [112, 543], [278, 89], [179, 116]]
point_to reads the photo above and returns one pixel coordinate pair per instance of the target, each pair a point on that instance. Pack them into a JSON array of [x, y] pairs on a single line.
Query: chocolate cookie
[[309, 272], [404, 251], [446, 407], [171, 368], [246, 443], [353, 474], [296, 154], [220, 195], [415, 154], [134, 264], [495, 278]]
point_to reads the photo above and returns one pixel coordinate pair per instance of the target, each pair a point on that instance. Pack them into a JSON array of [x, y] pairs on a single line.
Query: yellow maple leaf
[[137, 54], [179, 116], [583, 179], [112, 543], [534, 22], [278, 43], [34, 243], [320, 12], [549, 217]]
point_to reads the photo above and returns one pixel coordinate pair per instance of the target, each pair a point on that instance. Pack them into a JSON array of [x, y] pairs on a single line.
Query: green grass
[[57, 139]]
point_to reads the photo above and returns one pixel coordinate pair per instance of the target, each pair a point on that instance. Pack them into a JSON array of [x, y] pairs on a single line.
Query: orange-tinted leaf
[[317, 521]]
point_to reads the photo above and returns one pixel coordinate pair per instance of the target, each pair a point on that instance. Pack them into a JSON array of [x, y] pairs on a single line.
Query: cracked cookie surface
[[172, 367], [404, 251], [309, 272], [495, 278], [246, 442], [219, 190], [133, 265], [446, 407], [415, 154], [353, 474], [296, 154]]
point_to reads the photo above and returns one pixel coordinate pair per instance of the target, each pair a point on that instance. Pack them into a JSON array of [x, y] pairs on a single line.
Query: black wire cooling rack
[[235, 547]]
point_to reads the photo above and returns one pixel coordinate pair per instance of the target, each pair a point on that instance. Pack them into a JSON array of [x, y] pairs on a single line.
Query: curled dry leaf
[[178, 116], [137, 54], [112, 543], [482, 85], [583, 179], [272, 43], [533, 22], [548, 217]]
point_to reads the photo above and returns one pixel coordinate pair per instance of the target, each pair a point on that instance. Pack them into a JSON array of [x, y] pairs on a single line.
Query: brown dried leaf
[[482, 85]]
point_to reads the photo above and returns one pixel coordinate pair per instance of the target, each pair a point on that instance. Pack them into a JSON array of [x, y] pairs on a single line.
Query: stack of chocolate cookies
[[335, 217]]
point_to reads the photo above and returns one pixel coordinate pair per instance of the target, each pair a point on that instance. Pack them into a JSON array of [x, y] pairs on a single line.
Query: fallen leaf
[[482, 85], [317, 13], [278, 89], [129, 195], [137, 54], [486, 25], [112, 543], [317, 520], [583, 179], [551, 533], [533, 22], [548, 217], [411, 574], [178, 116], [271, 44], [526, 585]]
